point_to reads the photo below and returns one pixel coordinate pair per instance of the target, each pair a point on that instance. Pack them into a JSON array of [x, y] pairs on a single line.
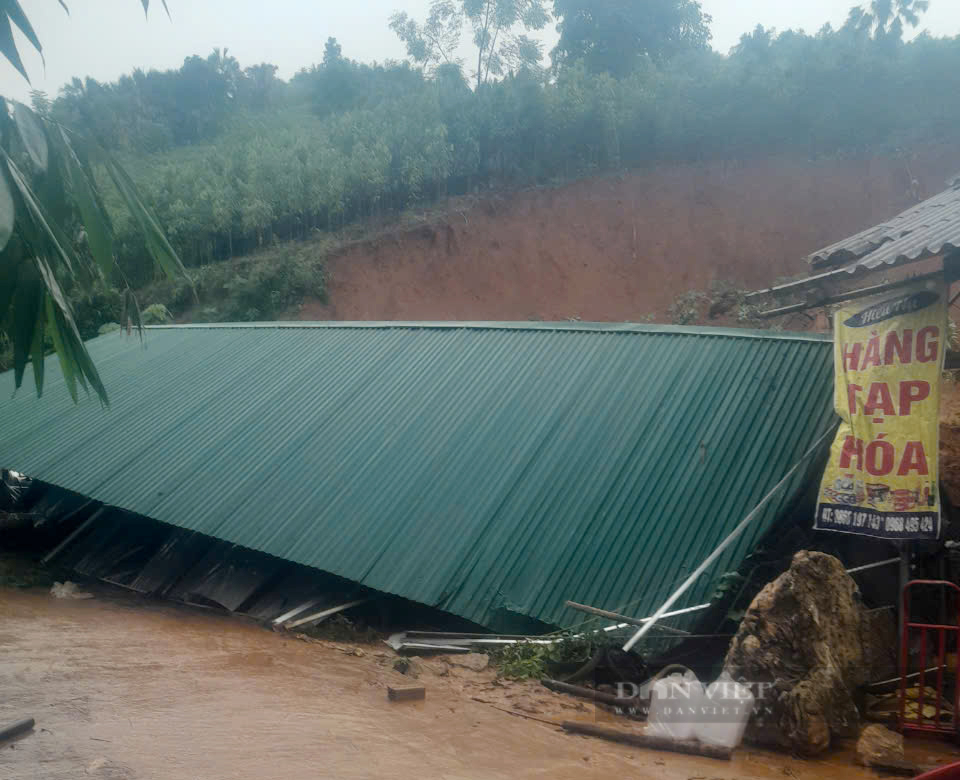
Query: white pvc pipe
[[873, 565], [725, 543]]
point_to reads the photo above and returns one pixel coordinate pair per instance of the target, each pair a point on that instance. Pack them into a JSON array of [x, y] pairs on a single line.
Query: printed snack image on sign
[[882, 477]]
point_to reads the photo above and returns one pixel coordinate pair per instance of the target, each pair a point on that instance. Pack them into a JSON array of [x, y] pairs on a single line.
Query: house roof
[[486, 469], [928, 229]]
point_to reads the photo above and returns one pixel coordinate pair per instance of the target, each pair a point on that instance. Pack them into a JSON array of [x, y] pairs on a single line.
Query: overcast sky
[[105, 38]]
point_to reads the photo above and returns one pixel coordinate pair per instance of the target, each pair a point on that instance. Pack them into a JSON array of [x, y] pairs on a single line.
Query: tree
[[435, 41], [885, 20], [260, 85], [54, 228], [332, 52], [611, 36], [495, 24]]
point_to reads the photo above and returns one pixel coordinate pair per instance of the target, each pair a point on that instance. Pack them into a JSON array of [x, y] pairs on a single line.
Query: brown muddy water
[[123, 688]]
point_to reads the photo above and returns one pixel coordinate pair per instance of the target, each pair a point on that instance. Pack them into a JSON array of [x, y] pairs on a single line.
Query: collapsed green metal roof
[[487, 469]]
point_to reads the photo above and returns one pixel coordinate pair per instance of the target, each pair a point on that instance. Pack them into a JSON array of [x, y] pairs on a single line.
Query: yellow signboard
[[888, 357]]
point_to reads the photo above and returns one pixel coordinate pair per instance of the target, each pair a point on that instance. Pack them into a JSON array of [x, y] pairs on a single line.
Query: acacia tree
[[499, 34], [435, 41], [54, 229]]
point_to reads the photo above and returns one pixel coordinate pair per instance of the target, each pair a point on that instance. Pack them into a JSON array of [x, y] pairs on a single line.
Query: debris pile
[[808, 643]]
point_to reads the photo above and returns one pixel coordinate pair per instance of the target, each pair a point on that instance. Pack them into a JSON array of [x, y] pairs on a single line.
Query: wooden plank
[[590, 693], [316, 617], [839, 297], [15, 729], [409, 693], [296, 611], [73, 535]]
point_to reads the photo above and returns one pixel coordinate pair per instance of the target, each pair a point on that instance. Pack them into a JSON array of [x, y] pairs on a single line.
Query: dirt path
[[123, 688]]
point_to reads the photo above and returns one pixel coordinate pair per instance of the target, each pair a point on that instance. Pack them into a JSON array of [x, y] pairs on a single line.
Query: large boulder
[[807, 643]]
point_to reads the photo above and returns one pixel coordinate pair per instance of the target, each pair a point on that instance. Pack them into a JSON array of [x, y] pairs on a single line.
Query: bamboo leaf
[[73, 348], [8, 46], [95, 220], [36, 349], [32, 135], [19, 18], [7, 211], [131, 313], [47, 230], [157, 244], [53, 289], [9, 273], [25, 307], [66, 364]]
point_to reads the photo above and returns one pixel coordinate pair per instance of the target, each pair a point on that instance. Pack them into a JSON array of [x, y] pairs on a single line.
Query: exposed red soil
[[622, 247]]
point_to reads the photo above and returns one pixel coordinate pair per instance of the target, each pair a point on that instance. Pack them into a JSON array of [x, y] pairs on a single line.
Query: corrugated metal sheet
[[926, 230], [486, 469]]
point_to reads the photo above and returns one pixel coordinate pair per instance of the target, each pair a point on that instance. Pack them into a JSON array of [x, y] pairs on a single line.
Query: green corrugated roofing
[[482, 468]]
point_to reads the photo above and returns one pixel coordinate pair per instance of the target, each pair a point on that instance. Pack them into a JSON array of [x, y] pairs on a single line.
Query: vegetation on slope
[[233, 159]]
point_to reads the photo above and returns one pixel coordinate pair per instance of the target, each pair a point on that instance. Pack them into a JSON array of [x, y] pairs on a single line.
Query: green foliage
[[95, 304], [232, 160], [108, 327], [344, 141], [520, 661], [886, 19], [685, 308], [495, 24], [531, 660], [614, 36], [156, 314], [6, 352], [55, 233], [263, 286]]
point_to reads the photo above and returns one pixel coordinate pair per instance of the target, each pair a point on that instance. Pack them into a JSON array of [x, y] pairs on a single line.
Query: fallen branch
[[690, 747], [15, 729], [590, 693]]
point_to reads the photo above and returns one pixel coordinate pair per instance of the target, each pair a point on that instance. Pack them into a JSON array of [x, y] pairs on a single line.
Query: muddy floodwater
[[125, 688]]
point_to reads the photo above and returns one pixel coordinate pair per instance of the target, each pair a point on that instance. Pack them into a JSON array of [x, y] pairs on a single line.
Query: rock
[[68, 590], [408, 666], [804, 636], [475, 662], [880, 646], [878, 746]]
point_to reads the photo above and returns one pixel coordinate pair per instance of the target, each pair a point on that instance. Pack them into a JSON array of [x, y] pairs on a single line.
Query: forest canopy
[[232, 158]]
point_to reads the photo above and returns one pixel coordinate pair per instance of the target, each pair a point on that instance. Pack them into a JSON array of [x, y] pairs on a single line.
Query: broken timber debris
[[15, 729], [690, 747], [590, 693], [407, 693]]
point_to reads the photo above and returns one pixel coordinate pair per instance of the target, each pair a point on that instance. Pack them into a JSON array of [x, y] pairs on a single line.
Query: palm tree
[[887, 18]]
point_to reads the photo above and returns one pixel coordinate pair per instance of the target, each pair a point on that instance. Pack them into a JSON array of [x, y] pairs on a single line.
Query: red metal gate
[[941, 638]]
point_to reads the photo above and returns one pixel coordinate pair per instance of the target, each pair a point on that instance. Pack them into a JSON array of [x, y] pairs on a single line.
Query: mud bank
[[127, 689]]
